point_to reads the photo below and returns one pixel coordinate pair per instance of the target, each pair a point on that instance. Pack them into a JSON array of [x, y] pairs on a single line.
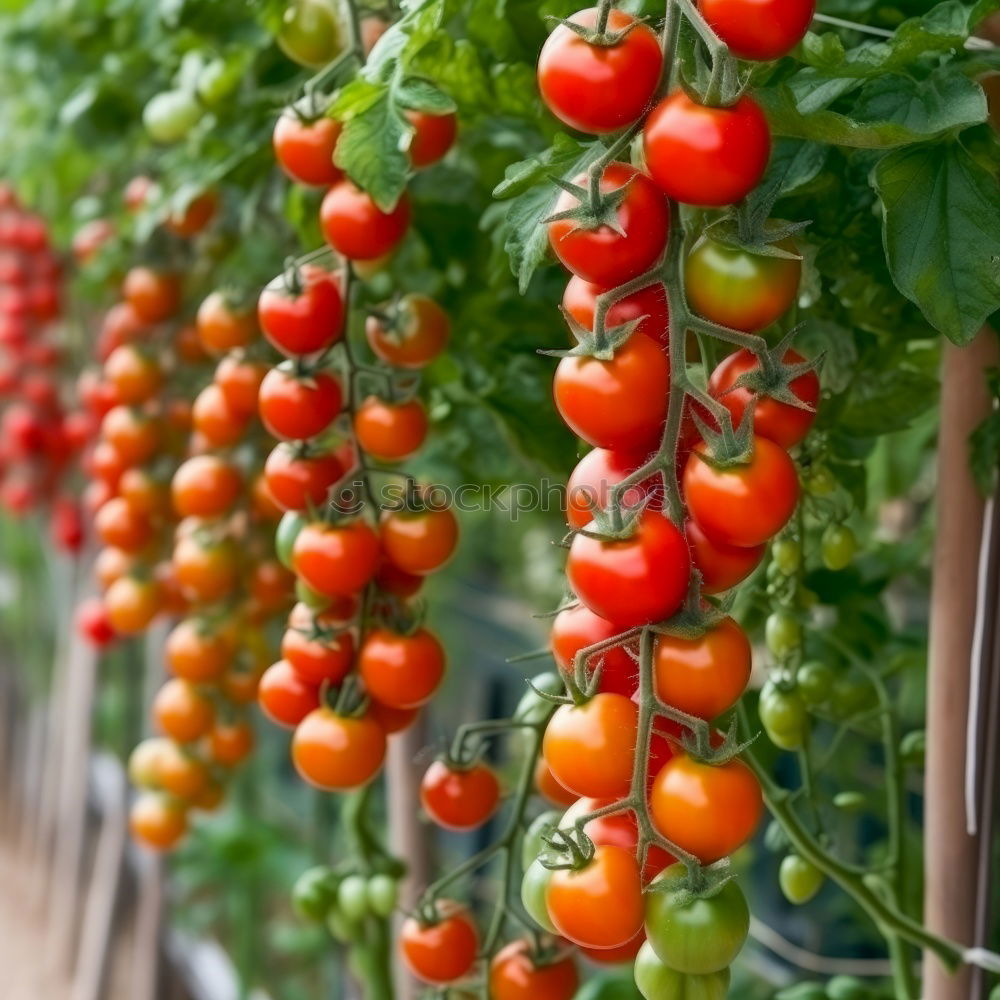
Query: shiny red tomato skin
[[742, 505], [577, 627], [336, 560], [433, 136], [304, 149], [599, 88], [619, 404], [295, 482], [459, 798], [294, 408], [514, 975], [304, 319], [634, 581], [706, 156], [650, 303], [356, 227], [602, 255], [595, 474], [442, 952], [782, 423], [721, 566], [759, 29]]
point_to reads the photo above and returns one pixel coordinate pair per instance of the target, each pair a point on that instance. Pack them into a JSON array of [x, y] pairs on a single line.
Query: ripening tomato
[[336, 560], [401, 671], [635, 580], [298, 407], [205, 486], [359, 229], [744, 504], [154, 295], [90, 237], [239, 379], [516, 973], [433, 135], [419, 542], [337, 752], [195, 215], [702, 155], [782, 423], [549, 788], [619, 404], [590, 484], [302, 312], [143, 491], [225, 323], [648, 305], [304, 147], [759, 29], [137, 192], [119, 524], [389, 431], [298, 478], [93, 624], [606, 256], [709, 810], [121, 325], [110, 564], [740, 289], [318, 655], [590, 748], [594, 87], [284, 696], [134, 435], [197, 651], [577, 627], [412, 334], [157, 820], [704, 676], [182, 712], [134, 374], [443, 950], [231, 743], [459, 798], [599, 905], [207, 571], [132, 603], [179, 772], [213, 418], [721, 566]]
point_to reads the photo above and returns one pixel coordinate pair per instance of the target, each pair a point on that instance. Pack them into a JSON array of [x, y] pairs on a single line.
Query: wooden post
[[950, 855]]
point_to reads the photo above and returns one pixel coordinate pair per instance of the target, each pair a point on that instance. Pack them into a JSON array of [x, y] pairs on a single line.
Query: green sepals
[[567, 850], [590, 346], [730, 748], [728, 446], [686, 885], [614, 525], [774, 378], [761, 239], [602, 39], [592, 212], [694, 622]]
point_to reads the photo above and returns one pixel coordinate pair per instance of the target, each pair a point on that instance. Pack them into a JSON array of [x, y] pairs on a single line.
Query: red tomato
[[459, 798], [205, 486], [413, 336], [433, 136], [304, 149], [297, 480], [782, 423], [600, 905], [297, 408], [239, 379], [93, 624], [597, 88], [704, 676], [706, 156], [356, 227], [742, 505], [619, 404], [196, 215], [388, 431], [603, 255], [591, 482], [444, 950], [636, 580], [516, 974], [705, 809], [577, 627], [401, 671], [336, 560], [284, 696], [318, 656], [759, 29], [337, 752], [154, 295], [393, 720], [648, 305], [721, 566], [590, 748], [302, 313], [419, 542]]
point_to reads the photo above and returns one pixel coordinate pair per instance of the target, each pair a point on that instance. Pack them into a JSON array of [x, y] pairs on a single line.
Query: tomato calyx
[[684, 884], [773, 376], [726, 446], [599, 344], [567, 850], [698, 744], [596, 208], [600, 35], [350, 700]]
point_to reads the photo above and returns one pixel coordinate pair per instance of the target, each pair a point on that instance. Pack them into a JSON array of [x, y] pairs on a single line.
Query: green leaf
[[529, 184], [941, 232], [879, 402], [422, 95]]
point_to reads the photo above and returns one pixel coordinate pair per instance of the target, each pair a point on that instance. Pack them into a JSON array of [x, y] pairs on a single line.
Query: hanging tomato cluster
[[37, 437], [674, 504]]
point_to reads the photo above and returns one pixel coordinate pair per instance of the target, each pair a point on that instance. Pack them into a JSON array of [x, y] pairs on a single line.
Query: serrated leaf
[[422, 95], [941, 233]]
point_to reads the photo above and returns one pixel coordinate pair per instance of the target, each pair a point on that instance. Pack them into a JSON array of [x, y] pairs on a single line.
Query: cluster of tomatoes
[[37, 437]]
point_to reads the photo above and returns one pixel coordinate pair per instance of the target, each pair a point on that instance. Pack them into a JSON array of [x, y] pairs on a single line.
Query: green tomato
[[313, 32], [784, 717], [382, 893], [783, 634], [532, 845], [691, 934], [657, 981], [787, 555], [814, 681], [352, 898], [851, 696], [533, 885], [838, 546], [170, 115], [820, 482], [310, 597], [799, 879], [291, 523], [314, 892], [218, 80], [532, 708], [339, 926]]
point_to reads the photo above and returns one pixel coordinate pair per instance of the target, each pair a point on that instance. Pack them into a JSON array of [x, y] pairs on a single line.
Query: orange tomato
[[419, 542], [337, 752], [197, 652], [157, 820], [401, 671], [182, 712]]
